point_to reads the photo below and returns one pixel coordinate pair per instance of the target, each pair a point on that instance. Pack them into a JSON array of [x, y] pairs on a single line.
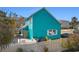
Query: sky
[[60, 13]]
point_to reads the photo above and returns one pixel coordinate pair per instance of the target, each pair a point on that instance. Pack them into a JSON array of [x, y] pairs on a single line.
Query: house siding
[[42, 22]]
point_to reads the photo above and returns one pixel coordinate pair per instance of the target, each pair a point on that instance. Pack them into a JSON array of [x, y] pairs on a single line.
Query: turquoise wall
[[42, 21]]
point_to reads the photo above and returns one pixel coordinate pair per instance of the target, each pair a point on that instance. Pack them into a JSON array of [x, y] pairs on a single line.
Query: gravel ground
[[52, 45]]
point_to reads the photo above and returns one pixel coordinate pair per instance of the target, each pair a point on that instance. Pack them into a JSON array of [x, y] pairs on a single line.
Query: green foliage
[[45, 49], [32, 51], [74, 22], [2, 14], [19, 50], [46, 38], [7, 30], [72, 42]]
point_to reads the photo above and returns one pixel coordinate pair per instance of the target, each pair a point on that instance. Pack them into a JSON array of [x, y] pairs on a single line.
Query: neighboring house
[[42, 24], [65, 24], [76, 29]]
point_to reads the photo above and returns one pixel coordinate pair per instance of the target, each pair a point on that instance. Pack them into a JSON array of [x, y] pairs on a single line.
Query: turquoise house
[[42, 24]]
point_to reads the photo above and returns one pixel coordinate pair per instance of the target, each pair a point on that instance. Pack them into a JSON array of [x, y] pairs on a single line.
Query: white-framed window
[[51, 32]]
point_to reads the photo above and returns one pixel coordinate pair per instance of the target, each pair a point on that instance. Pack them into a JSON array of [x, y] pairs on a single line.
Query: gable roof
[[46, 11]]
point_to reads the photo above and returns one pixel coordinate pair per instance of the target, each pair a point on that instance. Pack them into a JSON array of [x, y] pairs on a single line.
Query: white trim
[[26, 24], [53, 34]]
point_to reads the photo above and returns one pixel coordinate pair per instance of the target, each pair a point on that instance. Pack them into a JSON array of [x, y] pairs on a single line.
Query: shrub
[[46, 38], [45, 49], [32, 51], [72, 42], [19, 50]]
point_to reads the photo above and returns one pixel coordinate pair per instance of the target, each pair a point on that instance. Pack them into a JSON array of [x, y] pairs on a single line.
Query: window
[[51, 32]]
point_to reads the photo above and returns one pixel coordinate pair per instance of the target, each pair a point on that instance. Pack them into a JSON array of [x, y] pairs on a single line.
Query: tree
[[2, 14], [74, 22], [7, 30]]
